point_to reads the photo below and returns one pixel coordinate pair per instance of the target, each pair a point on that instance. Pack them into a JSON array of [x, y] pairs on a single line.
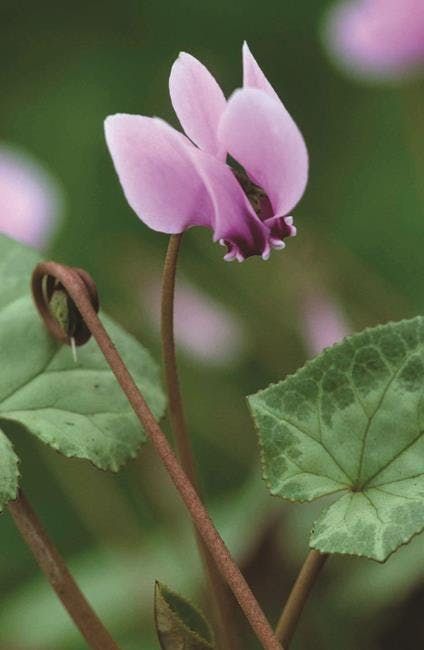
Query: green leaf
[[76, 408], [351, 422], [9, 472], [180, 626]]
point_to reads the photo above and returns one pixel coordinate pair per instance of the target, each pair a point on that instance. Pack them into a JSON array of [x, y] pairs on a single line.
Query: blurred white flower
[[322, 322], [30, 199], [204, 329]]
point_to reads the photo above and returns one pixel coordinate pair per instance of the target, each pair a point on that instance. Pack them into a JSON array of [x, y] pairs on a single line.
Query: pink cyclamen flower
[[322, 322], [174, 182], [205, 329], [30, 200], [377, 38]]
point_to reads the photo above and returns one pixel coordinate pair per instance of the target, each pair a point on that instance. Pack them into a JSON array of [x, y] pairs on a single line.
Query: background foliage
[[64, 68]]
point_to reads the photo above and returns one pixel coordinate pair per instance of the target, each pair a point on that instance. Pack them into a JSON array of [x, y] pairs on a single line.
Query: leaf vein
[[307, 434], [392, 460], [31, 379], [380, 401]]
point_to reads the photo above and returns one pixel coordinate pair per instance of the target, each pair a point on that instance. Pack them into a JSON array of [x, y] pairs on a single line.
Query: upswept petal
[[171, 185], [253, 77], [261, 135], [157, 173], [198, 102]]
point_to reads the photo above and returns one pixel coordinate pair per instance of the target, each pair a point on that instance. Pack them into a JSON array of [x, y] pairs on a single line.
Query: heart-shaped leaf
[[76, 408], [180, 626], [352, 422]]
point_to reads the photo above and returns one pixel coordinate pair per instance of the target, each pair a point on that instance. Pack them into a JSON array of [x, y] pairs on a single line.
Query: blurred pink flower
[[172, 184], [322, 323], [30, 200], [378, 38], [204, 329]]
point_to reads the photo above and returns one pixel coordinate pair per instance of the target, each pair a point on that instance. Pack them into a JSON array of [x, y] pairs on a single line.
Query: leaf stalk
[[76, 287], [299, 595], [54, 568]]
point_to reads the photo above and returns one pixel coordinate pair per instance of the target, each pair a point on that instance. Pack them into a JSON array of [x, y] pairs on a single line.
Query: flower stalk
[[224, 621], [54, 568], [175, 404], [71, 280], [299, 595]]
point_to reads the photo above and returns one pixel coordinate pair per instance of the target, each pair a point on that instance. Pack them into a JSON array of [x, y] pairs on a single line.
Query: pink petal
[[253, 77], [198, 102], [261, 135], [30, 199], [156, 172], [377, 38], [323, 322], [233, 220], [172, 185]]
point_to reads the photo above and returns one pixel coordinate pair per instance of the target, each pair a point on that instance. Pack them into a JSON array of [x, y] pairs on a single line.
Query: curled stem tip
[[56, 306]]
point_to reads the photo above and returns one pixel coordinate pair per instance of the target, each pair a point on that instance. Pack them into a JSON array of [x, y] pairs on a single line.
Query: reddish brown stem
[[299, 595], [76, 288], [222, 605], [56, 572]]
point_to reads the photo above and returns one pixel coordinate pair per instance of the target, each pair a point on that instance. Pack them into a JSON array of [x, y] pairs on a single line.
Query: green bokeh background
[[64, 68]]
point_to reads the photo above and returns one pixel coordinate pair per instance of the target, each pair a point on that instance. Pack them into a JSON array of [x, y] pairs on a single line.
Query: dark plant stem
[[57, 573], [222, 605], [175, 404], [299, 595], [77, 290]]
